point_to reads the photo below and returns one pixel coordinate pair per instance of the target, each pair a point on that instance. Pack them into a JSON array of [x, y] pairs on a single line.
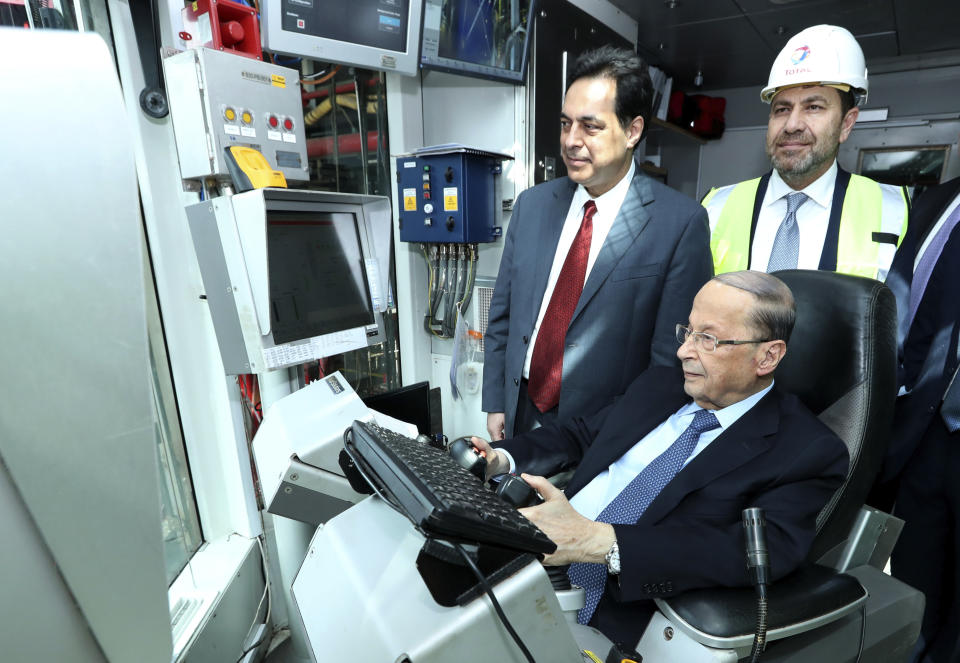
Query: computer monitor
[[410, 404], [291, 276], [479, 38], [318, 283], [372, 34]]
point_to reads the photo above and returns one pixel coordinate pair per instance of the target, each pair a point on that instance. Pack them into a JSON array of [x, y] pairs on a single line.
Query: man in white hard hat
[[808, 213]]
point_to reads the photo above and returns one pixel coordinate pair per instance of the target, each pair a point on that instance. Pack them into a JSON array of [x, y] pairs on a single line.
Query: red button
[[288, 124], [273, 121], [426, 195]]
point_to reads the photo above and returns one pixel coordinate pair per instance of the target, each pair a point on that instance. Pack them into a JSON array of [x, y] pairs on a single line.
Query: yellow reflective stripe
[[862, 215], [730, 240]]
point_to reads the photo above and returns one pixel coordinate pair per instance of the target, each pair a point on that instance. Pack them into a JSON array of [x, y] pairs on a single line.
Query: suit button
[[931, 408], [525, 340], [516, 382]]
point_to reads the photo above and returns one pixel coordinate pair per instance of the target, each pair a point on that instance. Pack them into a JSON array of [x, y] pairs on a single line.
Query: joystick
[[468, 457], [517, 492]]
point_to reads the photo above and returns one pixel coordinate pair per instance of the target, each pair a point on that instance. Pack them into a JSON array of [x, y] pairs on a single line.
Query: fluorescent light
[[872, 115]]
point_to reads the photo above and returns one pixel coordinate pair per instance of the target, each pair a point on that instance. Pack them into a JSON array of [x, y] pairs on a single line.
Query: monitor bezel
[[359, 230], [287, 200], [508, 76], [275, 39]]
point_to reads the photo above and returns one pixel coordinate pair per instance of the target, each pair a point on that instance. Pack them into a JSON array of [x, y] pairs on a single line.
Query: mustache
[[804, 137]]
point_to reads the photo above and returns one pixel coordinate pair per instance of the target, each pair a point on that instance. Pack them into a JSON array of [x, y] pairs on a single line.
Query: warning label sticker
[[450, 199]]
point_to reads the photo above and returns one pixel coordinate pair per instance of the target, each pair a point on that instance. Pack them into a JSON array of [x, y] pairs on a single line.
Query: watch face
[[613, 559]]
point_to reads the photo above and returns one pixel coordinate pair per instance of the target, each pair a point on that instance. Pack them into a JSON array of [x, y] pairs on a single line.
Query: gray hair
[[775, 311]]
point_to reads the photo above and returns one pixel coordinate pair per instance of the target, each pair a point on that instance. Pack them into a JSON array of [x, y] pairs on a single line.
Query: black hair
[[632, 77], [847, 101]]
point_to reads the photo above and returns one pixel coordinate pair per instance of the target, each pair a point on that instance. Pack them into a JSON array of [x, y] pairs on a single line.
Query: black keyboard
[[441, 497]]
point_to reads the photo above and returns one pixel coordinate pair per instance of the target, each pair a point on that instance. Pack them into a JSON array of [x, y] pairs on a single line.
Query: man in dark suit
[[655, 504], [924, 455], [597, 267]]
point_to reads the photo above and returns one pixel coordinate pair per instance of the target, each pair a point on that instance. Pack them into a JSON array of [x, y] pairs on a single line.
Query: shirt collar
[[612, 199], [727, 416], [819, 191]]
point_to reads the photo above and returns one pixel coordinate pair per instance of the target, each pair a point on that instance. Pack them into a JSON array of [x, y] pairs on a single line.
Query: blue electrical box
[[450, 194]]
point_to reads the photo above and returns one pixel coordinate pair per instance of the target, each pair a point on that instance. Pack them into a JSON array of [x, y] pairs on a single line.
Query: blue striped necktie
[[629, 505]]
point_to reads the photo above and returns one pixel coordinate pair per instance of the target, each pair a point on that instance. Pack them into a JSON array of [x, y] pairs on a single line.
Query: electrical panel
[[450, 194], [220, 99]]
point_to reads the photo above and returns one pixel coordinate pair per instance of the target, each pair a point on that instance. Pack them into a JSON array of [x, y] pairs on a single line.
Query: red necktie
[[546, 365]]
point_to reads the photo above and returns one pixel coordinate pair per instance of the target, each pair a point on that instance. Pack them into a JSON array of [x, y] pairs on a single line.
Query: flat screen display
[[481, 38], [372, 34], [376, 23], [318, 283]]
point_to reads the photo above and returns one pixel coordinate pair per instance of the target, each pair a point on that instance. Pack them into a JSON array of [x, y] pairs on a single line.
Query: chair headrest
[[842, 363]]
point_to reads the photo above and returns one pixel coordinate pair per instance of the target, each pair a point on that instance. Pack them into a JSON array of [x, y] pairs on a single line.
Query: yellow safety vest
[[854, 232]]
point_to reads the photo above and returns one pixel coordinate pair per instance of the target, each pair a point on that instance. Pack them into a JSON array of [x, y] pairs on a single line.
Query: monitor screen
[[410, 404], [373, 34], [481, 38], [318, 283]]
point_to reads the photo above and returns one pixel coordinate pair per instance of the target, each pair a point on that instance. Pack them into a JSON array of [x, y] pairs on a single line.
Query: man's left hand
[[578, 539]]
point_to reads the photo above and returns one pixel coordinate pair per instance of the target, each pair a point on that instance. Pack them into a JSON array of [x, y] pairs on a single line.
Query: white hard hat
[[819, 55]]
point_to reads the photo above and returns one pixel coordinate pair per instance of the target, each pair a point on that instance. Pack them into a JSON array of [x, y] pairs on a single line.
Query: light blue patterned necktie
[[629, 505], [786, 245]]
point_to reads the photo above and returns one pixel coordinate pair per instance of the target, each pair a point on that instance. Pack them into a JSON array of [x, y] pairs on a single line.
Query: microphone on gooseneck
[[755, 539], [758, 565]]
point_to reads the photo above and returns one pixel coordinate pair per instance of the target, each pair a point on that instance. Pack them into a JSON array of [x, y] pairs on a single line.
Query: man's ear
[[846, 124], [772, 353], [634, 131]]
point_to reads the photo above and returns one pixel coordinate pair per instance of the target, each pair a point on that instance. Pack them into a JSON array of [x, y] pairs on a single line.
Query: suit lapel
[[630, 222], [553, 218], [629, 423], [749, 436], [901, 280]]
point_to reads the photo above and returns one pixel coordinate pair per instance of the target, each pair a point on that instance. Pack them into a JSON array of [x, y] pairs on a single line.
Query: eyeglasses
[[707, 342]]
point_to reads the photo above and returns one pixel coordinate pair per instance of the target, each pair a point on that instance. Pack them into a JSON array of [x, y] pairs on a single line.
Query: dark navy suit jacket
[[652, 264], [777, 456], [928, 348]]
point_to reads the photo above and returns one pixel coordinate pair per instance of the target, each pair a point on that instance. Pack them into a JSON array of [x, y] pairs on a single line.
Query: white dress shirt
[[604, 487], [813, 217], [608, 206]]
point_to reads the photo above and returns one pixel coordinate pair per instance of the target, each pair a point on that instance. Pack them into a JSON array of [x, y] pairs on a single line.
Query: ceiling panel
[[861, 17], [882, 45], [658, 12], [735, 41], [928, 25]]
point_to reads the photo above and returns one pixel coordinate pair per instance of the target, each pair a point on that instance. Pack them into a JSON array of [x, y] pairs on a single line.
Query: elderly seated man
[[664, 473]]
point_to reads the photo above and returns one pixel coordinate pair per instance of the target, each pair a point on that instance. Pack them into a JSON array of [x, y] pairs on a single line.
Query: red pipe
[[340, 89], [349, 144]]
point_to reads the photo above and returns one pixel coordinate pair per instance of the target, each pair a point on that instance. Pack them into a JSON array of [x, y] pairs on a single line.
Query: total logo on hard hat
[[800, 54]]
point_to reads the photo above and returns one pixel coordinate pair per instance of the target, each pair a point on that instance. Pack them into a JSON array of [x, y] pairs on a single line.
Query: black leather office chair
[[841, 362]]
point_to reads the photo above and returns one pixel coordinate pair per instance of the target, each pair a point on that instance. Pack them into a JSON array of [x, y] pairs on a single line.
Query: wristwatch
[[613, 559]]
